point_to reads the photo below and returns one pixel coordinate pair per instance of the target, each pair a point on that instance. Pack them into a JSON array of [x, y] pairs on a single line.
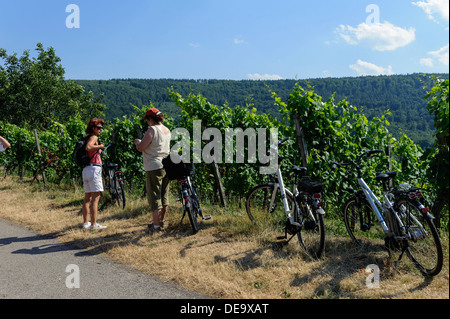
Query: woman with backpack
[[92, 174]]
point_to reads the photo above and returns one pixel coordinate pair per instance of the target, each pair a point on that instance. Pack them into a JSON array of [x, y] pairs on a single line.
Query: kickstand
[[184, 214], [399, 258], [285, 237]]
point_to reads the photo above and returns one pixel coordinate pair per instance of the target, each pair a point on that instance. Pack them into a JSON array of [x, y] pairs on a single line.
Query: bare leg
[[86, 204]]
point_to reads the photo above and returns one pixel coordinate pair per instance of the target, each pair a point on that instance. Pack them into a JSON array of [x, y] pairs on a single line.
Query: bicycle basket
[[306, 184], [177, 170]]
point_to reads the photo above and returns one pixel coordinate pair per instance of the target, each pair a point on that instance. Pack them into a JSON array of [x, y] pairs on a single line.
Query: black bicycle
[[402, 223], [113, 180], [299, 211], [182, 172]]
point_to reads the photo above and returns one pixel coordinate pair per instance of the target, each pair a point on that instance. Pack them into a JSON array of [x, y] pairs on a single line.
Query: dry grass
[[228, 258]]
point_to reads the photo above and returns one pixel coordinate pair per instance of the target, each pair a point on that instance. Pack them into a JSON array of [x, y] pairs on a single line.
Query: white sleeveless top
[[156, 150]]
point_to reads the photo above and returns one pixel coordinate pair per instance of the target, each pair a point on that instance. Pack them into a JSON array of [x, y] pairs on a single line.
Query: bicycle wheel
[[119, 191], [312, 235], [361, 222], [424, 246], [192, 209], [265, 207], [105, 179]]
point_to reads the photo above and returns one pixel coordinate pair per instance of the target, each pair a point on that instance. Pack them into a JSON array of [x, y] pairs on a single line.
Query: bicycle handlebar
[[367, 154]]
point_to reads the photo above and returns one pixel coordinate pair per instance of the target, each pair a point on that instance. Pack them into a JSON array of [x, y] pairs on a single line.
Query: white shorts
[[92, 179]]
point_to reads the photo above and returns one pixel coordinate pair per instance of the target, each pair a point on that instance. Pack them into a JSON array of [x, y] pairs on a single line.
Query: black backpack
[[80, 154]]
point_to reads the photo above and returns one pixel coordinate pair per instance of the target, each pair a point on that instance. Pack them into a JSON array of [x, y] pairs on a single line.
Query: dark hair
[[93, 123], [157, 118]]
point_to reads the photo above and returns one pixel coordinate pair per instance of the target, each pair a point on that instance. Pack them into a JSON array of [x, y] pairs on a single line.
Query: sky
[[232, 39]]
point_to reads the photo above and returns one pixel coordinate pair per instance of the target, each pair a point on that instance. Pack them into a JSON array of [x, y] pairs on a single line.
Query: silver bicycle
[[401, 221], [299, 212]]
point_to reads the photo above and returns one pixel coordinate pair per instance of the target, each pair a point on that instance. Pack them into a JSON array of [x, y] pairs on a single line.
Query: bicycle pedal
[[206, 217], [281, 237]]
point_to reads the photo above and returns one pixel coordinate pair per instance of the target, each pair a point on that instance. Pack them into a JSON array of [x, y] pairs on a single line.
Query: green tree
[[33, 92], [438, 105]]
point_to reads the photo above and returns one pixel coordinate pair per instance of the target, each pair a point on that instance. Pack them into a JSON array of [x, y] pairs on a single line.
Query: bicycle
[[301, 211], [113, 180], [182, 172], [401, 221]]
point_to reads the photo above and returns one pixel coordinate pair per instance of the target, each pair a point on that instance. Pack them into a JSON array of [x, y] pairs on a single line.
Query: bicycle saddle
[[298, 169], [112, 165], [385, 176]]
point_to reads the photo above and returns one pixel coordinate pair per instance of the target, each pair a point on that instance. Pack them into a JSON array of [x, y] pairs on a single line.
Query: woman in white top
[[154, 146]]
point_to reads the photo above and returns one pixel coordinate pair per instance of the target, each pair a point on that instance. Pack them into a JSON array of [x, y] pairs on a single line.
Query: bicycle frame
[[186, 184], [289, 212], [374, 202]]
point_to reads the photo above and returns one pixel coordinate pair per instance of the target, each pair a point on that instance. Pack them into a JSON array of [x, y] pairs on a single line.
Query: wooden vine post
[[40, 162], [301, 141], [218, 178]]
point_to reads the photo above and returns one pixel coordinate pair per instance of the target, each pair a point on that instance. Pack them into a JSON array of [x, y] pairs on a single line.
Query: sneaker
[[162, 223], [151, 230], [86, 225], [97, 227]]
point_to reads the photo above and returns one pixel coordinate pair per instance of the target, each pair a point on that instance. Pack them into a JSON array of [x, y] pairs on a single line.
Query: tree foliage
[[33, 92], [401, 95]]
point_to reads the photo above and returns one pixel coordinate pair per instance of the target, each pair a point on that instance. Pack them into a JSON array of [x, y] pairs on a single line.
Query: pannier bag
[[308, 185], [177, 170]]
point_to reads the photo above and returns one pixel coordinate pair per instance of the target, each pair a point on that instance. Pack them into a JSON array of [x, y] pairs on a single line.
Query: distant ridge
[[401, 94]]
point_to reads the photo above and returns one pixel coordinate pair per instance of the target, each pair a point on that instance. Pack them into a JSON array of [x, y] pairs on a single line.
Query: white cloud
[[367, 68], [194, 45], [379, 36], [427, 62], [239, 40], [257, 76], [436, 57], [441, 55], [433, 7]]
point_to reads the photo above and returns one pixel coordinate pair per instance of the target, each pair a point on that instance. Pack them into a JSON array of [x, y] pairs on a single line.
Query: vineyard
[[320, 131]]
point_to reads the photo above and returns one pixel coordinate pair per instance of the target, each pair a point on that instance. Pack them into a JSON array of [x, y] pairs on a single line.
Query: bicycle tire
[[257, 206], [424, 251], [192, 207], [361, 222], [120, 192], [312, 235], [105, 180], [192, 214]]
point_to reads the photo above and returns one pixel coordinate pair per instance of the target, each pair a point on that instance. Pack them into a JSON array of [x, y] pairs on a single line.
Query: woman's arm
[[5, 143], [141, 145], [92, 144]]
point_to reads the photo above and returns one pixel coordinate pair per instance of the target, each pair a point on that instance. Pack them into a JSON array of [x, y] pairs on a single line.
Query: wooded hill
[[372, 95]]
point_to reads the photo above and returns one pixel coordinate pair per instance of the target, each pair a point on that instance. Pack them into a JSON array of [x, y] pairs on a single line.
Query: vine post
[[301, 140], [40, 159]]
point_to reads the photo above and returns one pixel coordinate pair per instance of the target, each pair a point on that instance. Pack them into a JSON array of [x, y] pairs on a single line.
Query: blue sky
[[232, 39]]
